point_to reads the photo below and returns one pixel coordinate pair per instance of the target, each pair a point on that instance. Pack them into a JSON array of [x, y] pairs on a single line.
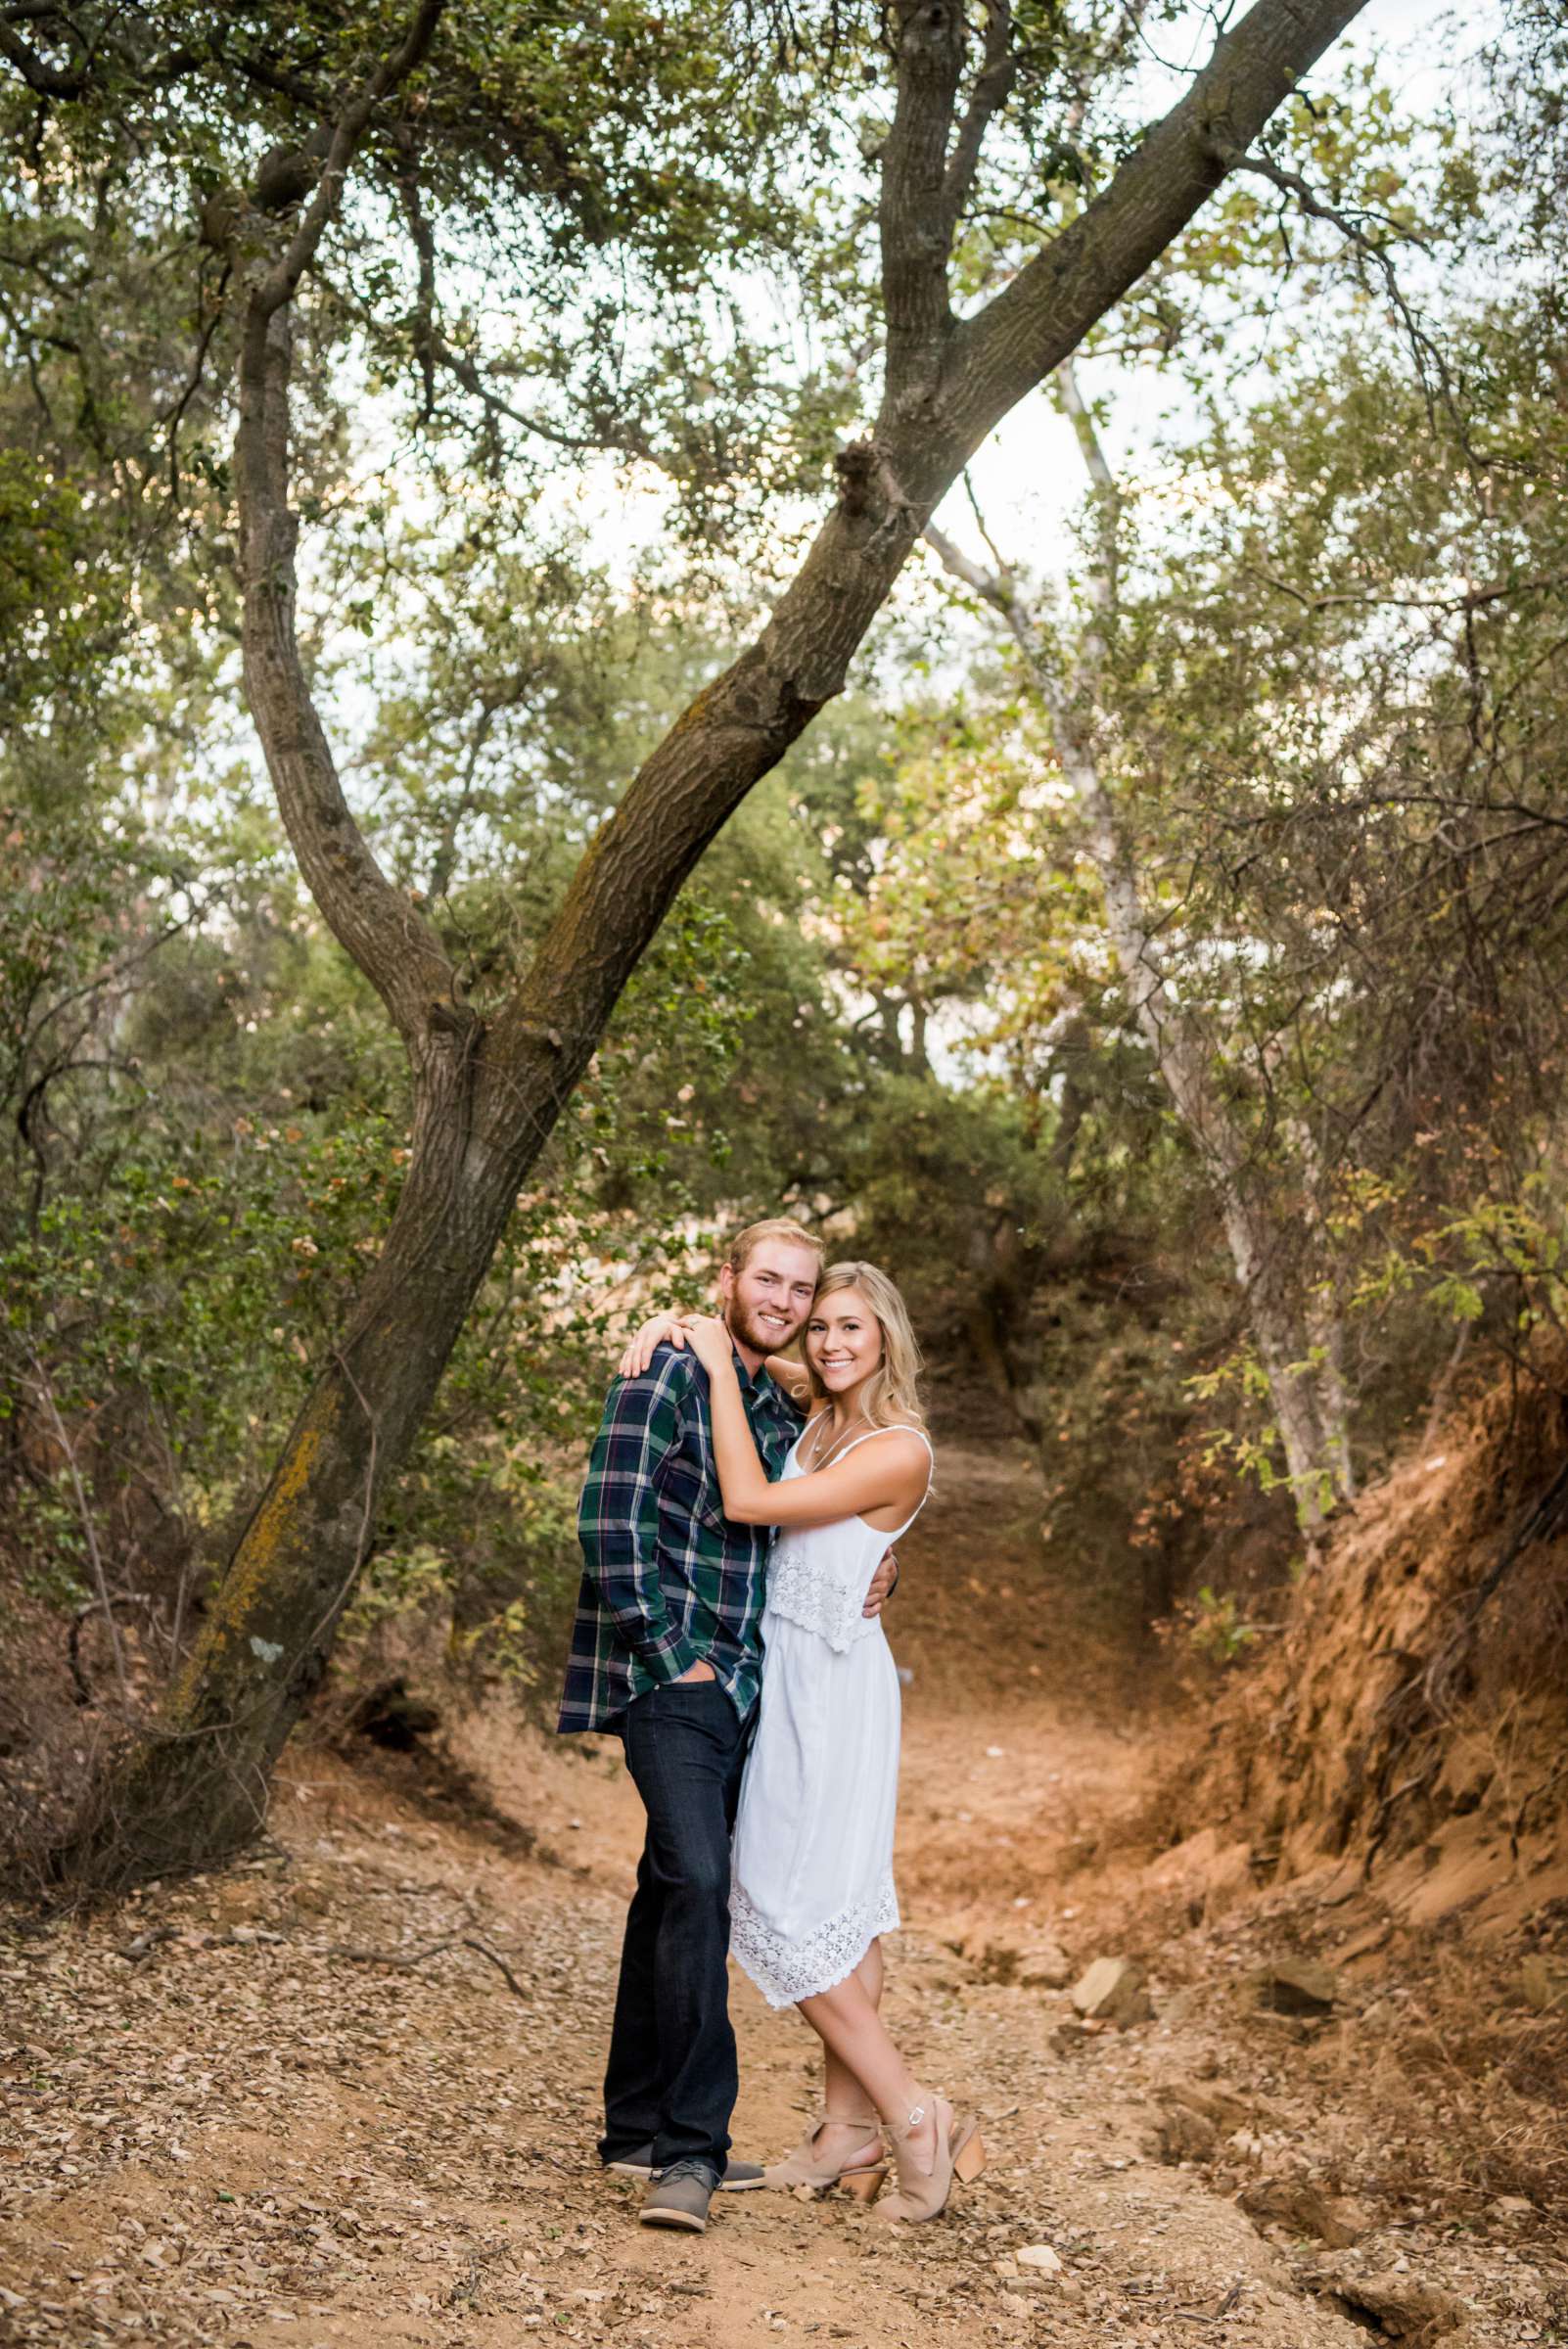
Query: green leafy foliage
[[584, 339]]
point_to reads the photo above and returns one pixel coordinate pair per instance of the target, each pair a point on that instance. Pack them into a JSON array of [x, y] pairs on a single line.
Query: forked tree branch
[[1037, 320], [281, 281], [485, 1103], [741, 724], [994, 86]]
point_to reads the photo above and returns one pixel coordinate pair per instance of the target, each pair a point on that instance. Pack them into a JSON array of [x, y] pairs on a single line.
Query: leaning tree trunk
[[486, 1096], [198, 1787]]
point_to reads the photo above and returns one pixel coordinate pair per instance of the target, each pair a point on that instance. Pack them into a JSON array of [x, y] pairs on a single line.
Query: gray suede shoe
[[738, 2178], [679, 2197]]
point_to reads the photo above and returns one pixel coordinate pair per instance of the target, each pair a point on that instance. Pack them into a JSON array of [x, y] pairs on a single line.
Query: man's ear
[[726, 1282]]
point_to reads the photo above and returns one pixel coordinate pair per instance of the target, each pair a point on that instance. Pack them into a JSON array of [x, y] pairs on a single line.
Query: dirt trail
[[221, 2127]]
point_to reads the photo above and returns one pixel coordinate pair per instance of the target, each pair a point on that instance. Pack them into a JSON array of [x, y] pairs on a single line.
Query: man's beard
[[743, 1327]]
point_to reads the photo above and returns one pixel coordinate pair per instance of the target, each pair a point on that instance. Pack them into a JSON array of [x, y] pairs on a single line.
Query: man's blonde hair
[[774, 1227]]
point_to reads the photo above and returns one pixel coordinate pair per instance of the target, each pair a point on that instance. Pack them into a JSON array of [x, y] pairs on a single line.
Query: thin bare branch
[[95, 1558], [281, 280], [465, 371], [993, 89], [1468, 599], [998, 355], [1318, 208], [408, 1961]]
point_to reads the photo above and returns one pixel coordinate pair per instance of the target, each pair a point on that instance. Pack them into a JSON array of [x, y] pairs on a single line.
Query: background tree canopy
[[507, 772]]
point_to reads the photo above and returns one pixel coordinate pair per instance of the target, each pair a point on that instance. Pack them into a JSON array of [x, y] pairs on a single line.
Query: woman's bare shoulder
[[907, 1436]]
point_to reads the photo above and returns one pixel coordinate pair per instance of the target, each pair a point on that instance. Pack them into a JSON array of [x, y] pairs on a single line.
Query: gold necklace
[[820, 1458]]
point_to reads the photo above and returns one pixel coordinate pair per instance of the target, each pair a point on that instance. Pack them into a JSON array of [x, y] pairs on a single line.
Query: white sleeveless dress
[[813, 1882]]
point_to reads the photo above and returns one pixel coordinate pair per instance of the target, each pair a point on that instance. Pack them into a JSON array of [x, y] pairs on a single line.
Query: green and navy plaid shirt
[[669, 1581]]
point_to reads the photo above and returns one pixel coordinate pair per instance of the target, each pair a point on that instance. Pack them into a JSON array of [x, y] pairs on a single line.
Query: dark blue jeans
[[672, 2076]]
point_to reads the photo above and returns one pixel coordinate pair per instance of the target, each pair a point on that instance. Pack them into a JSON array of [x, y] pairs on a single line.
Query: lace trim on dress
[[785, 1971], [810, 1592]]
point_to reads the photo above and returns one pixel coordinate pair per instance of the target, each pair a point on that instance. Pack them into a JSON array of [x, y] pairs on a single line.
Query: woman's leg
[[857, 2041], [843, 2092]]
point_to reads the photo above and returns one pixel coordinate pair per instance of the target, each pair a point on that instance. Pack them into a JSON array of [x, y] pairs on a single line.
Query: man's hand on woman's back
[[881, 1587]]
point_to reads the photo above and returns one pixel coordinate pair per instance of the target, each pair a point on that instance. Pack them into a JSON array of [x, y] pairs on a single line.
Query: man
[[666, 1653]]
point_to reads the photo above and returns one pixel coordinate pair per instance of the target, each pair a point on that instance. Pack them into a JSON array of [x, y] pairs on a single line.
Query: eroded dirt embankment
[[304, 2104], [1412, 1713]]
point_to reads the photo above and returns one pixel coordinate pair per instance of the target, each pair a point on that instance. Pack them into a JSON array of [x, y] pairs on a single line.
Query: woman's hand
[[710, 1341], [658, 1330]]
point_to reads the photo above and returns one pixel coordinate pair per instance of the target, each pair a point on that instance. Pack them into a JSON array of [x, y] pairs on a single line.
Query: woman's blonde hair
[[893, 1391]]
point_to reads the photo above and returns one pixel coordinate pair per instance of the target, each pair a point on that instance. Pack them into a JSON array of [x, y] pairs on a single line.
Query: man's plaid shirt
[[669, 1581]]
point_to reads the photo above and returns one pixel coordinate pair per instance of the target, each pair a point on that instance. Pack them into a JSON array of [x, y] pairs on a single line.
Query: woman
[[814, 1888]]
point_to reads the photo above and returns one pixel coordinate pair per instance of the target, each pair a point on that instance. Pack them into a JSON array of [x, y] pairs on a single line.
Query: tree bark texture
[[485, 1099]]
